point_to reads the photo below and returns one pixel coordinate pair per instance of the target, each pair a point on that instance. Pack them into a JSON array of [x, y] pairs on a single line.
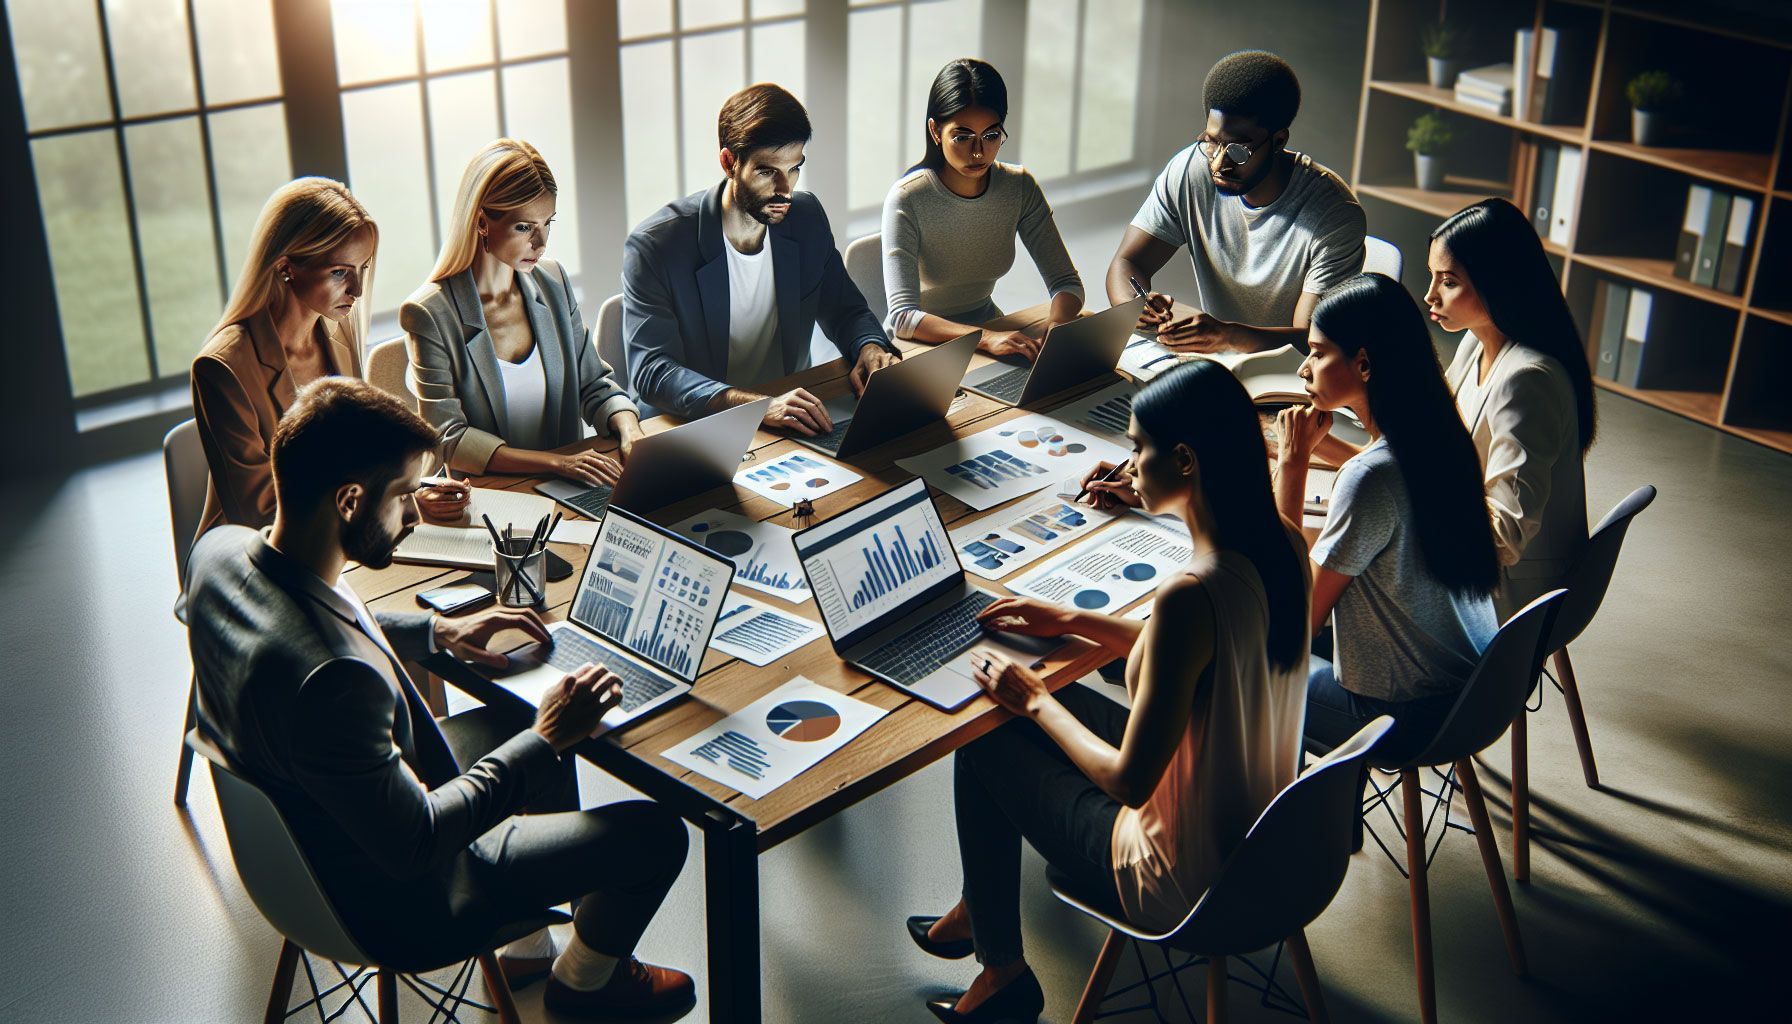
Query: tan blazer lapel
[[270, 355], [340, 349]]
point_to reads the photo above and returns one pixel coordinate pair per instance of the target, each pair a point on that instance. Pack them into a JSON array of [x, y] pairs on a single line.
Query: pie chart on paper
[[804, 721]]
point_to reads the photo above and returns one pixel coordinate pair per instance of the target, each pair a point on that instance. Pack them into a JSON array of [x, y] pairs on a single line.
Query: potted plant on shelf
[[1441, 42], [1652, 94], [1428, 138]]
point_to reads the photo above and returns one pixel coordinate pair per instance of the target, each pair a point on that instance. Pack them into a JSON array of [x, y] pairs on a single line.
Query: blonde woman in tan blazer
[[294, 316], [501, 360]]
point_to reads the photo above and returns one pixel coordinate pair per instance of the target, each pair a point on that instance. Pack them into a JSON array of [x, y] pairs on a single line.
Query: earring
[[286, 277]]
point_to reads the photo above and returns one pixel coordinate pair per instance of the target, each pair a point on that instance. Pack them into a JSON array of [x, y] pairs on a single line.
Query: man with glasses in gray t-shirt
[[1267, 229]]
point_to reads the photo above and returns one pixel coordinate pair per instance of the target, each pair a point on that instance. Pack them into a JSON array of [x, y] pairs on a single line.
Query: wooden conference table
[[737, 829]]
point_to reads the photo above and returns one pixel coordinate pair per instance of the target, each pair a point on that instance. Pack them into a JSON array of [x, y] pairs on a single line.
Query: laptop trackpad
[[951, 685]]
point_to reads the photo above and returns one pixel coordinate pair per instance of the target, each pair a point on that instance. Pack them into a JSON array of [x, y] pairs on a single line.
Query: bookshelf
[[1736, 348]]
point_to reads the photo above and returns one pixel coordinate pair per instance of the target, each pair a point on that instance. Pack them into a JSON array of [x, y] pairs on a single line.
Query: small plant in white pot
[[1441, 43], [1652, 95], [1429, 138]]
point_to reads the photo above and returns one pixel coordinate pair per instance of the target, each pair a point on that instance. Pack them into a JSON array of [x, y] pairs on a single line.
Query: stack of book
[[1716, 235], [1486, 88]]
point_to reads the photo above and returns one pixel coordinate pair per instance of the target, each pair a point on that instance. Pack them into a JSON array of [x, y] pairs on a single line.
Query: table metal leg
[[731, 895]]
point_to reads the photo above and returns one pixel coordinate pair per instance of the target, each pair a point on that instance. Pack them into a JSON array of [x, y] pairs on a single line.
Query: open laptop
[[902, 397], [645, 608], [1082, 350], [671, 465], [895, 601]]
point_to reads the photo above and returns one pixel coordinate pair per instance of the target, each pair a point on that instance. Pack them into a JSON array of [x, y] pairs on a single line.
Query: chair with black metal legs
[[280, 881], [1587, 583], [183, 464], [1282, 875], [1494, 695]]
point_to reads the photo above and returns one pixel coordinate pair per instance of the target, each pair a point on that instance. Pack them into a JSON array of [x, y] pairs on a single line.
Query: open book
[[1271, 378]]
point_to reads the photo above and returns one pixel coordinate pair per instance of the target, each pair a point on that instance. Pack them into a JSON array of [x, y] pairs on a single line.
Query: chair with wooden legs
[[1282, 875], [283, 887], [183, 464], [1492, 698], [1587, 582]]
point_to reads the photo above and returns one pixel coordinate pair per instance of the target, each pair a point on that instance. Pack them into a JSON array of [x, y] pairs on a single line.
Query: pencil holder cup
[[521, 574]]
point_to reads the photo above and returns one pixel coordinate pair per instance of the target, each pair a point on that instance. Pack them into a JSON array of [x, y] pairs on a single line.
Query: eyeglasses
[[991, 139], [1236, 152]]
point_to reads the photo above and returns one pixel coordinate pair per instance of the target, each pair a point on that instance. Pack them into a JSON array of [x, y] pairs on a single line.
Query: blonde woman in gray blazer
[[501, 360]]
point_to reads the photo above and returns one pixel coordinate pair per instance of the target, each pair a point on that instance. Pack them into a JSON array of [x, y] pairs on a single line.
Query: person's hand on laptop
[[469, 637], [799, 412], [1009, 343], [872, 358], [1109, 494], [1202, 332], [588, 467], [626, 426], [1025, 616], [572, 708], [1015, 687]]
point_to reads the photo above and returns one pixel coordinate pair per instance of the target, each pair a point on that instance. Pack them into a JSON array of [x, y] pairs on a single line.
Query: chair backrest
[[183, 463], [1496, 690], [387, 365], [1592, 572], [609, 339], [273, 869], [865, 265], [1290, 864], [1381, 256]]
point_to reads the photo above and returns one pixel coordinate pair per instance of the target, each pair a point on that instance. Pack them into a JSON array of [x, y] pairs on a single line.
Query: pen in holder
[[520, 567]]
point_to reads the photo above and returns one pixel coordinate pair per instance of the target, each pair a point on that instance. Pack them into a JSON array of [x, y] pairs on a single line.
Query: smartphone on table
[[462, 595]]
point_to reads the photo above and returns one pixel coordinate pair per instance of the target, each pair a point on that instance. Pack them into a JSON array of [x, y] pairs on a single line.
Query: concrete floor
[[1666, 895]]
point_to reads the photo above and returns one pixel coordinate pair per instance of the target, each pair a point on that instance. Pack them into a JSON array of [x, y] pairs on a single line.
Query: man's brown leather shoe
[[635, 990]]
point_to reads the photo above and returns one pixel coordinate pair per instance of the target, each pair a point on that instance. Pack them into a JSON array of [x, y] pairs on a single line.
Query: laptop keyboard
[[914, 655], [1007, 386], [830, 441], [572, 649], [594, 502]]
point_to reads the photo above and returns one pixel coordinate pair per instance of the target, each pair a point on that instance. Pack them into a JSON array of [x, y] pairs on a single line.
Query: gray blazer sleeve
[[409, 633], [657, 357], [600, 395], [344, 758], [435, 376]]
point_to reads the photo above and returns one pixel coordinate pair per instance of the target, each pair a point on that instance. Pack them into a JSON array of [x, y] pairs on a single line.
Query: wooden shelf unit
[[1636, 193]]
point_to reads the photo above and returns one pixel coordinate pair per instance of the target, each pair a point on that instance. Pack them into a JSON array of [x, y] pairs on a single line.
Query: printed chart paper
[[996, 545], [759, 634], [764, 558], [1106, 413], [1111, 569], [1009, 460], [790, 477], [775, 738]]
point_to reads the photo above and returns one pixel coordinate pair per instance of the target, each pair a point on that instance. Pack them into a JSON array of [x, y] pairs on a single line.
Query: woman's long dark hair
[[1412, 406], [1200, 404], [1503, 258], [964, 83]]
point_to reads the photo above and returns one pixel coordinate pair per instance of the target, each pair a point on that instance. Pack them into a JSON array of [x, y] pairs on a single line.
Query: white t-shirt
[[754, 355], [525, 399], [1253, 262]]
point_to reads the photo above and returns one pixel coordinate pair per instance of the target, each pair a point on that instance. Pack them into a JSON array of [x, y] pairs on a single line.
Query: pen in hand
[[1110, 476]]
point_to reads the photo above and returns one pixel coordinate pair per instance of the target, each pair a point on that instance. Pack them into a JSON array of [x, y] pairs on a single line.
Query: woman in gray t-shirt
[[950, 223], [1405, 564]]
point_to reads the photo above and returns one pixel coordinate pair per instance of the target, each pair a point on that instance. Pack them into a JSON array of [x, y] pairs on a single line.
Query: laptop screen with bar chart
[[652, 593], [877, 562]]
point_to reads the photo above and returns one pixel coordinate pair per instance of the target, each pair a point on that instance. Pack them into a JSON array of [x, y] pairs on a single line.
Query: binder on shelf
[[1522, 75], [1733, 258], [1543, 196], [1692, 226], [1636, 338], [1561, 214], [1563, 78], [1711, 240], [1610, 306]]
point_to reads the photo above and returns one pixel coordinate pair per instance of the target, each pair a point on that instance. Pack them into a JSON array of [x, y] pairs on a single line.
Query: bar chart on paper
[[762, 554], [759, 634], [736, 751], [776, 738]]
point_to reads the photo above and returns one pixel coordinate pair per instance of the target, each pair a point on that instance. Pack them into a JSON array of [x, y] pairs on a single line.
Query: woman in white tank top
[[1140, 809]]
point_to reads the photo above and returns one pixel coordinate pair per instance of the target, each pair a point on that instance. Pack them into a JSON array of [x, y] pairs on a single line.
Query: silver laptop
[[895, 601], [1084, 349], [671, 465], [645, 608], [902, 397]]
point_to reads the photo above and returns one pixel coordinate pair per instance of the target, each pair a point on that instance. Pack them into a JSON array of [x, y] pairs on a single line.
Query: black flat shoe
[[957, 949], [1021, 1000]]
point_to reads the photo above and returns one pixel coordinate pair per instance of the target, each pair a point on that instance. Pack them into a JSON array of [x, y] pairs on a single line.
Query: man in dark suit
[[303, 689], [721, 290]]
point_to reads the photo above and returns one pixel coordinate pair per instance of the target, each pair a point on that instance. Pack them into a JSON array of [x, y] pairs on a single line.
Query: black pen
[[1139, 290], [1107, 477]]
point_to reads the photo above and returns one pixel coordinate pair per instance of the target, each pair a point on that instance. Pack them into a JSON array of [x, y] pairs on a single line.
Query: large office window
[[680, 60], [894, 50], [425, 83], [1080, 101], [157, 130]]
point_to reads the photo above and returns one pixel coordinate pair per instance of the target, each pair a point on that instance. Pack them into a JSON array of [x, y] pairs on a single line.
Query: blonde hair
[[304, 219], [508, 174]]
